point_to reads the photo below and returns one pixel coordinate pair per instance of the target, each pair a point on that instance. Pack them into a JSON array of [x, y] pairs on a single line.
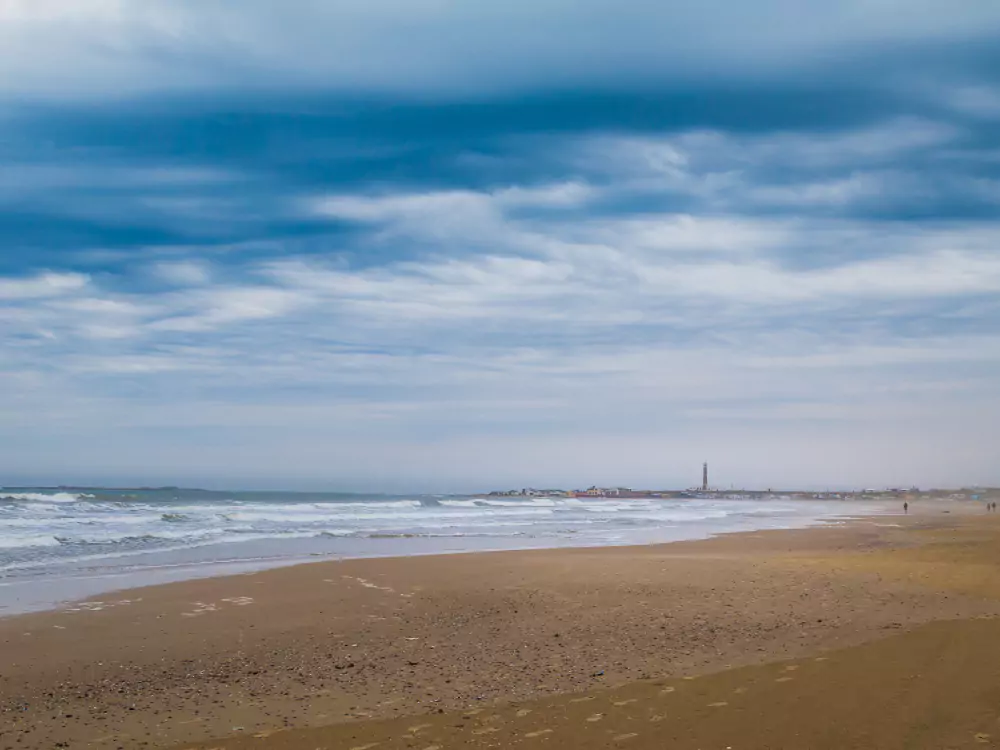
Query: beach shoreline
[[374, 639], [41, 587]]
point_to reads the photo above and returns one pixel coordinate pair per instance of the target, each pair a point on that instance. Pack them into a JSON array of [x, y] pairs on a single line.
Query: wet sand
[[586, 647]]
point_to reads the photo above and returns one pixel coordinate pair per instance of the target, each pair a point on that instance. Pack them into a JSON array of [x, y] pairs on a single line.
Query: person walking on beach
[[906, 508]]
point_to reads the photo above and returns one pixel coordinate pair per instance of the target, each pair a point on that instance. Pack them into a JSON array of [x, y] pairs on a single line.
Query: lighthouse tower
[[704, 477]]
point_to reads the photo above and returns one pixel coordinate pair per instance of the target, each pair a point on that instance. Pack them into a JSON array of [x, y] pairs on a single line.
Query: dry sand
[[579, 648]]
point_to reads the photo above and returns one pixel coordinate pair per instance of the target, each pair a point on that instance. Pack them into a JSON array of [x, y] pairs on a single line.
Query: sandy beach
[[875, 633]]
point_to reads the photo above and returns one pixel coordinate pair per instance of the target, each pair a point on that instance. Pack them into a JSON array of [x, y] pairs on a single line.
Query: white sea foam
[[483, 502], [42, 530], [14, 542], [41, 497]]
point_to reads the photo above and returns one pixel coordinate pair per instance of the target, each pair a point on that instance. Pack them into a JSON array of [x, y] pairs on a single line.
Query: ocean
[[61, 545]]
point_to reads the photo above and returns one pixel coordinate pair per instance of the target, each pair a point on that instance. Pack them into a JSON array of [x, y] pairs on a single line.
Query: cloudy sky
[[442, 245]]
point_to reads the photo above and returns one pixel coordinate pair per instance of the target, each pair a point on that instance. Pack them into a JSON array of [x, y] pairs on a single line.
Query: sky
[[425, 245]]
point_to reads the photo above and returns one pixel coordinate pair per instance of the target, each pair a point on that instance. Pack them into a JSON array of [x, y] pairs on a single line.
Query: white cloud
[[601, 275], [729, 259], [680, 233], [739, 177], [561, 195], [919, 277], [457, 207], [710, 151], [41, 286], [79, 47], [979, 101], [182, 272], [498, 417], [873, 187], [727, 173], [463, 205], [523, 316], [214, 308]]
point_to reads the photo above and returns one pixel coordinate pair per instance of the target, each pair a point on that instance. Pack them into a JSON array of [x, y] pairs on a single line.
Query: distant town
[[911, 493], [705, 491]]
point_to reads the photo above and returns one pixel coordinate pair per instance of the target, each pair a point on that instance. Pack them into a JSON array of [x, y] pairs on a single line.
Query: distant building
[[607, 492]]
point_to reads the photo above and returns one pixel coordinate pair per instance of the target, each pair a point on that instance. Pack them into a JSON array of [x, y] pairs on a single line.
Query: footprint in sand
[[369, 585], [98, 606], [626, 702], [595, 717], [485, 730], [656, 717], [719, 704], [523, 712], [366, 747], [982, 738], [418, 728], [239, 601], [820, 658], [791, 668], [201, 608], [667, 690], [740, 691], [784, 679], [539, 733], [582, 700], [624, 737]]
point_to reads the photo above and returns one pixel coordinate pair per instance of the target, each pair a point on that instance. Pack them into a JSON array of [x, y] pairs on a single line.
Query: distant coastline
[[89, 488], [891, 493], [693, 493]]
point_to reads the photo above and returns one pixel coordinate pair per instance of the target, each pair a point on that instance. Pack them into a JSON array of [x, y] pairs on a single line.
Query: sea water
[[57, 545]]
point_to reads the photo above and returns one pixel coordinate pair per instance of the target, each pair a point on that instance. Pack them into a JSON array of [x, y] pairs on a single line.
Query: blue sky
[[449, 246]]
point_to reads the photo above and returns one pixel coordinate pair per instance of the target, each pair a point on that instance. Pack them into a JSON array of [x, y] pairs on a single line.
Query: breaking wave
[[38, 527], [41, 497]]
